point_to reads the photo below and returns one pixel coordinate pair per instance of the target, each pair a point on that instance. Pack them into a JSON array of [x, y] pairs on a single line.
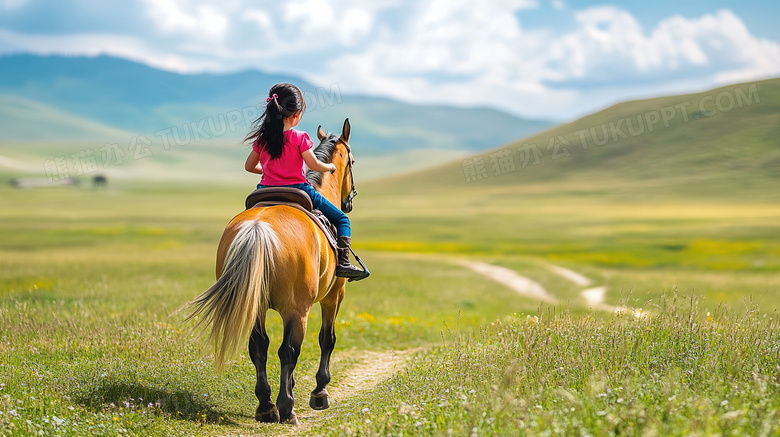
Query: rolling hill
[[23, 119], [126, 94], [724, 141]]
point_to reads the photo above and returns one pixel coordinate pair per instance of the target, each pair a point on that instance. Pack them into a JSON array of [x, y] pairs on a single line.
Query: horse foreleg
[[258, 352], [330, 307], [294, 331]]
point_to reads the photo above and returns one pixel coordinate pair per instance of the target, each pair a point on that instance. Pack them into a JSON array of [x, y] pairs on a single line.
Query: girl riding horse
[[277, 258]]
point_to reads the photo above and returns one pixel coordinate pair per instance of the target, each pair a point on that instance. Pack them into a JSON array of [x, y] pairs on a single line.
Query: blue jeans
[[335, 215]]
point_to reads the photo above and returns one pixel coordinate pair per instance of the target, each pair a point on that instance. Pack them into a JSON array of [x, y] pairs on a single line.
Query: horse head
[[341, 155]]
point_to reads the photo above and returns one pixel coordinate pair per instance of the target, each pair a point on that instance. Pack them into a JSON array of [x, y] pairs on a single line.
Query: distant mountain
[[722, 142], [133, 97], [123, 93]]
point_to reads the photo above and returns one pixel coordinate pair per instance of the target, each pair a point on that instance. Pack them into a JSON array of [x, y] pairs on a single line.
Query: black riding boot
[[345, 269]]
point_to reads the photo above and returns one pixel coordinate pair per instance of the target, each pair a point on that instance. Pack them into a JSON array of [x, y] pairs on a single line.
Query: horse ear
[[345, 131], [320, 133]]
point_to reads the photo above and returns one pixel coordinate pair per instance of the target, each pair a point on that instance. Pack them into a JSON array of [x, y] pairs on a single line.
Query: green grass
[[675, 373], [724, 250], [90, 278]]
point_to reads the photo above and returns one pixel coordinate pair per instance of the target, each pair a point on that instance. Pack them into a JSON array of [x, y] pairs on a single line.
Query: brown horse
[[276, 257]]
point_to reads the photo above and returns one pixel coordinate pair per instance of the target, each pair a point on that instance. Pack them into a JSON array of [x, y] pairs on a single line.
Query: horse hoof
[[319, 402], [292, 420], [270, 416]]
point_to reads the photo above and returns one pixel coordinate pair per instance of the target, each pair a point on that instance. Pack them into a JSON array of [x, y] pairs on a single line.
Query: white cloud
[[610, 46], [321, 23], [203, 19], [355, 24], [446, 51], [453, 37], [311, 11], [94, 44], [478, 54]]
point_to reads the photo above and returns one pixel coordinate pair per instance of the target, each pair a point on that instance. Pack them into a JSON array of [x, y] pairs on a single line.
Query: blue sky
[[537, 58]]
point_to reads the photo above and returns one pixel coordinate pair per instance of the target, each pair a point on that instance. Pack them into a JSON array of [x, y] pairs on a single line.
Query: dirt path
[[372, 368], [571, 275], [510, 278], [507, 277], [594, 296]]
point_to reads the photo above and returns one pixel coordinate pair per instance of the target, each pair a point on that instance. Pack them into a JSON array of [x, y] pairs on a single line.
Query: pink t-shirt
[[288, 168]]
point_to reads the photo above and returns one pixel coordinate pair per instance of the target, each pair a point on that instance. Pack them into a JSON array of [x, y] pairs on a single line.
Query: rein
[[354, 192]]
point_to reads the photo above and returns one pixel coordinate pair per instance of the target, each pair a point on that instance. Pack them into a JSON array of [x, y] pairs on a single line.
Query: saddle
[[298, 199]]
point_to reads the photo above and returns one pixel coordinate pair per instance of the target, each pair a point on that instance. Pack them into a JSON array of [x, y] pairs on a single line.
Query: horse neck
[[331, 183]]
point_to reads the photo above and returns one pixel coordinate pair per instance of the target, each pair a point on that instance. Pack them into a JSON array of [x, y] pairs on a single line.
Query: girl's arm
[[252, 164], [315, 164]]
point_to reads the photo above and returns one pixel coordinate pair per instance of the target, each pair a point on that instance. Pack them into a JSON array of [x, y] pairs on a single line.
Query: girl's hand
[[315, 164]]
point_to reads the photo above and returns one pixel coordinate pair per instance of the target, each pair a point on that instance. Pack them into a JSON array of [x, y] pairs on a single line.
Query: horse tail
[[240, 296]]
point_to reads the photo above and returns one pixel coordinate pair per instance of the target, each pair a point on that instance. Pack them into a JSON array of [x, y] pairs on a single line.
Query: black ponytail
[[284, 100]]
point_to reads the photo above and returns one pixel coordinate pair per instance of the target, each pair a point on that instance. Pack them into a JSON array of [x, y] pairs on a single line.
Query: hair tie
[[273, 96]]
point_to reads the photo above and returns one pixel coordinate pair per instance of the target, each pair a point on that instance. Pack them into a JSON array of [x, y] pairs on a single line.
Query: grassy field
[[89, 279], [722, 250], [680, 373]]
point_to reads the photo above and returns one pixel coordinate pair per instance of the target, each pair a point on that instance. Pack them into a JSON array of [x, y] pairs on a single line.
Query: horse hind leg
[[294, 332], [258, 352], [319, 397]]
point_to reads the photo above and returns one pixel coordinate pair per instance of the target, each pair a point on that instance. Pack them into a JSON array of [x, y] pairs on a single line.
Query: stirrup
[[365, 273]]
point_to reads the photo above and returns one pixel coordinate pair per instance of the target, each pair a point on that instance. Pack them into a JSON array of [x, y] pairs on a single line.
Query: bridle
[[354, 192]]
